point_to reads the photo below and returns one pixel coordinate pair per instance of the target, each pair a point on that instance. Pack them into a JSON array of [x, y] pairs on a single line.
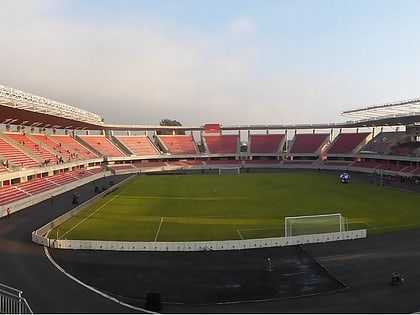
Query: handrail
[[12, 301]]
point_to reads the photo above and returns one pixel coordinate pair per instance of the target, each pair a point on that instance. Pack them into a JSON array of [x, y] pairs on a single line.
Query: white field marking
[[100, 208], [370, 226], [222, 216], [272, 228], [160, 225], [243, 230], [177, 197], [391, 226]]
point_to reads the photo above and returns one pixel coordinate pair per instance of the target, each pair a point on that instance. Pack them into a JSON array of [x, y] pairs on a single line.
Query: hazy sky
[[209, 61]]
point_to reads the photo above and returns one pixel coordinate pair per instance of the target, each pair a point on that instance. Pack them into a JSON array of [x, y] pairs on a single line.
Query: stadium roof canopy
[[403, 112], [26, 109], [22, 108]]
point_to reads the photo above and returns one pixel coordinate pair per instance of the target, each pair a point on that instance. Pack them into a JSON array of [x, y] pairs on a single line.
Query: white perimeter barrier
[[199, 246]]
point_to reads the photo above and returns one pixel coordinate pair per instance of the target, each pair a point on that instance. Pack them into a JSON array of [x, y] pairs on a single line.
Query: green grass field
[[246, 206]]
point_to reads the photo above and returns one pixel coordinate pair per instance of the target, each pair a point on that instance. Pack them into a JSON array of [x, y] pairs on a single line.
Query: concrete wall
[[196, 246]]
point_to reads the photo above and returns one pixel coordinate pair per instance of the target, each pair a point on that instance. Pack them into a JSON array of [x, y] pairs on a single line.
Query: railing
[[12, 301]]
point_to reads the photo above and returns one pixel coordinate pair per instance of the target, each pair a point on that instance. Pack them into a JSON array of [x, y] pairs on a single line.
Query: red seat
[[269, 143]]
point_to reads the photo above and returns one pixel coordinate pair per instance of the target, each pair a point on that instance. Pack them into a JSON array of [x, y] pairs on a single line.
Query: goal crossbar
[[314, 224], [229, 170], [314, 216]]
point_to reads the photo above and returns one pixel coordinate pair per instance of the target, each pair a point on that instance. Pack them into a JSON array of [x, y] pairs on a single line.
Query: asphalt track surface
[[337, 277]]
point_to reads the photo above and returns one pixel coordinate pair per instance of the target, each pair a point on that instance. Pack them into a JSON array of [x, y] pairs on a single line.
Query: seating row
[[12, 193], [27, 151]]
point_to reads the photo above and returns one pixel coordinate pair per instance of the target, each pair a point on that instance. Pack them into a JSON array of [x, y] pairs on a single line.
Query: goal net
[[314, 224], [229, 170]]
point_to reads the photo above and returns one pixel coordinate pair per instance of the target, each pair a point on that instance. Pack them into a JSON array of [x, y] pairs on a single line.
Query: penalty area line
[[160, 225], [260, 229]]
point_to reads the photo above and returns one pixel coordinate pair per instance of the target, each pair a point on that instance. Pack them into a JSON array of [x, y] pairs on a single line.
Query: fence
[[200, 246], [12, 301]]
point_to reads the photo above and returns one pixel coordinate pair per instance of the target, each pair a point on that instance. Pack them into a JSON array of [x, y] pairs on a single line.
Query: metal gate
[[12, 301]]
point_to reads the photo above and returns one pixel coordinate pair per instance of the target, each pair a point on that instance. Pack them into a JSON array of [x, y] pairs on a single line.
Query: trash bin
[[75, 199]]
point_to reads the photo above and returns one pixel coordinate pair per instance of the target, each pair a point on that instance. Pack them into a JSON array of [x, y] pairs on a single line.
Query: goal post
[[314, 224], [229, 170]]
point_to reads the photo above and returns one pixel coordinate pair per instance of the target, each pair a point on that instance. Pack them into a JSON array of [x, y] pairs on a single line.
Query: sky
[[233, 62]]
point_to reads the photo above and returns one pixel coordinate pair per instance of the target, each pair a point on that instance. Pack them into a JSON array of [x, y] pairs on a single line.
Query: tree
[[170, 122]]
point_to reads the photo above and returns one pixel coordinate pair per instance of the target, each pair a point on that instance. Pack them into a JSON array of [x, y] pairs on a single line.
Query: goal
[[314, 224], [229, 170]]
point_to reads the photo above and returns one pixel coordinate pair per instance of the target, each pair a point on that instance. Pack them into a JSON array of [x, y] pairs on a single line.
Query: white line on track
[[91, 288], [160, 225]]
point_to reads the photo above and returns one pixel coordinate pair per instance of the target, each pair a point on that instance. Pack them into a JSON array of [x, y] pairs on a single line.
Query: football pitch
[[233, 207]]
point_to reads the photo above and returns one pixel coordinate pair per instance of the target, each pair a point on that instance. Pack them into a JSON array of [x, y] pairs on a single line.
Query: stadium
[[59, 162]]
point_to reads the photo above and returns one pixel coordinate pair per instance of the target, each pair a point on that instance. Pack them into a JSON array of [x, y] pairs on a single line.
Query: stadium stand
[[409, 169], [346, 143], [178, 144], [308, 143], [139, 145], [263, 162], [366, 164], [103, 145], [387, 165], [38, 148], [122, 167], [36, 186], [16, 156], [405, 149], [338, 163], [222, 144], [72, 176], [383, 142], [185, 163], [30, 145], [10, 194], [35, 148], [416, 171], [149, 164], [212, 128], [3, 168], [296, 162], [57, 148], [223, 162], [70, 143], [268, 143]]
